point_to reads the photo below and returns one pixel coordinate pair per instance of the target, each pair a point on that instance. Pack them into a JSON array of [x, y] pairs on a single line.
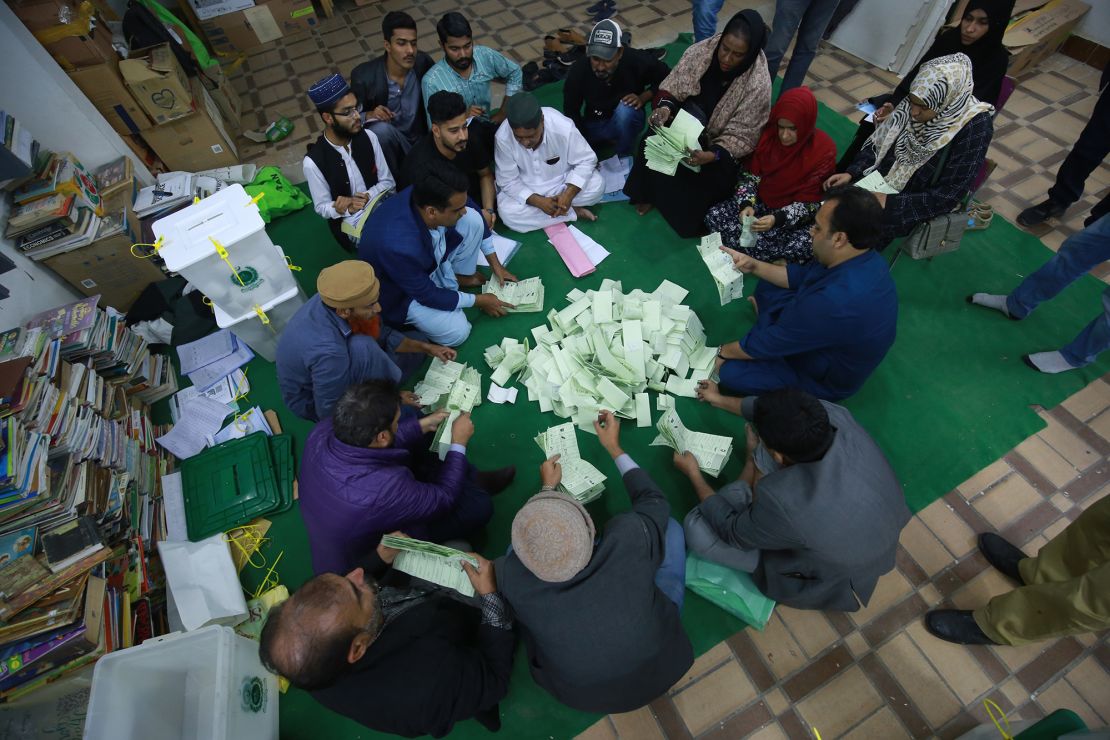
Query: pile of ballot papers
[[729, 280], [580, 478], [526, 296], [671, 145], [434, 563], [711, 450], [607, 349], [210, 359], [449, 386]]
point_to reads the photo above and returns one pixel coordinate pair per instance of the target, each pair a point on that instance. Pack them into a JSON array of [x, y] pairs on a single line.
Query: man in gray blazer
[[599, 617], [816, 513]]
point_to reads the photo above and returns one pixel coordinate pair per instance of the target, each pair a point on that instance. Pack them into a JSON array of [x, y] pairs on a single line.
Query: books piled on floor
[[80, 498]]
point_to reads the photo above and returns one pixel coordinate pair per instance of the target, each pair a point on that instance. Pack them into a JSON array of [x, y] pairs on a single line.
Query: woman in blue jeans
[[1077, 256]]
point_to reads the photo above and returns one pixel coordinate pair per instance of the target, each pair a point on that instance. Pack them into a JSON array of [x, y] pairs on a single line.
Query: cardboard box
[[265, 22], [158, 83], [206, 9], [104, 87], [225, 96], [199, 141], [108, 268], [1039, 33], [81, 42]]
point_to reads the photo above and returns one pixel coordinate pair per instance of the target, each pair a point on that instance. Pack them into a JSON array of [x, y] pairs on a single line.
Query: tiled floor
[[875, 673]]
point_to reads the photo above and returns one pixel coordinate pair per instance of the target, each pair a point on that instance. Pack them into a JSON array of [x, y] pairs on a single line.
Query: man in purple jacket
[[367, 471]]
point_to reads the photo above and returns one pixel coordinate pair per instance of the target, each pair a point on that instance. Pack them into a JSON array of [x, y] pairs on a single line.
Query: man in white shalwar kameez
[[546, 173]]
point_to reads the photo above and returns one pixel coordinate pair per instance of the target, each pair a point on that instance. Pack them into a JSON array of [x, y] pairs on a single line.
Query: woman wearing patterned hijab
[[939, 119]]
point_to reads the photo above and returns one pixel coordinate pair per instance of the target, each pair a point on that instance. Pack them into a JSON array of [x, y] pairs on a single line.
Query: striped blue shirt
[[488, 65]]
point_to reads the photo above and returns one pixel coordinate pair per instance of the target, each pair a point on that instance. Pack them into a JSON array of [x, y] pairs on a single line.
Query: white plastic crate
[[193, 237], [203, 685]]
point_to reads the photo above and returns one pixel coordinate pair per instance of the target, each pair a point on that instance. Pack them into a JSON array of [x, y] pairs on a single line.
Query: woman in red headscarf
[[782, 185]]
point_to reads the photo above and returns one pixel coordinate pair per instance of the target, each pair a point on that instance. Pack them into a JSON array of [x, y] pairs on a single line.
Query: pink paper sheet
[[569, 249]]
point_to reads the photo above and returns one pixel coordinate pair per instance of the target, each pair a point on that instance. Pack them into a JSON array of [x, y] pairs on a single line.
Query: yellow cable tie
[[816, 734], [270, 580], [221, 250], [207, 301], [990, 707], [255, 199], [155, 246], [289, 262]]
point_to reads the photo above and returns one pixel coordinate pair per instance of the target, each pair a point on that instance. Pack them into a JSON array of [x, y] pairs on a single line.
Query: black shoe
[[658, 52], [490, 718], [602, 14], [1002, 555], [1040, 213], [494, 482], [600, 6], [956, 625]]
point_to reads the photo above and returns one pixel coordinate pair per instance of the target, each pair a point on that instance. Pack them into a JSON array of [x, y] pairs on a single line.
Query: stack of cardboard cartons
[[234, 26], [73, 32]]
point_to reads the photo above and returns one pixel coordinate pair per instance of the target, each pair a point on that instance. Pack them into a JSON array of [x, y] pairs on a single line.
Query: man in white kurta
[[546, 172]]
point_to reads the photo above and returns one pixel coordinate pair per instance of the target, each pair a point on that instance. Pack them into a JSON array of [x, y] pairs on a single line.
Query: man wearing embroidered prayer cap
[[337, 339], [599, 615], [545, 170], [345, 168]]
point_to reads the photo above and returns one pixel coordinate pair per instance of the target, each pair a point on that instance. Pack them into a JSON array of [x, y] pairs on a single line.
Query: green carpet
[[951, 397]]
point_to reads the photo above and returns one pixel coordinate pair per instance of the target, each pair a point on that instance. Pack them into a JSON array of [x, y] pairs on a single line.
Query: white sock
[[1048, 362], [990, 300]]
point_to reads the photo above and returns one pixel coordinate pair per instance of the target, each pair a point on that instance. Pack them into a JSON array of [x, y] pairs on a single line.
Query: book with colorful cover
[[66, 320]]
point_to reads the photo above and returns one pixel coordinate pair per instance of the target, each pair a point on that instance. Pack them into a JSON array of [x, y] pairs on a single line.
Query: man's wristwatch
[[547, 488]]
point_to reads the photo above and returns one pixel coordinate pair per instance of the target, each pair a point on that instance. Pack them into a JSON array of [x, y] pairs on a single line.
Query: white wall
[[1095, 26], [35, 90]]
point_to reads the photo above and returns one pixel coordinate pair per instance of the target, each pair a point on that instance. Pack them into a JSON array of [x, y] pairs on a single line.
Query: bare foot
[[585, 213], [643, 208], [471, 281], [755, 305]]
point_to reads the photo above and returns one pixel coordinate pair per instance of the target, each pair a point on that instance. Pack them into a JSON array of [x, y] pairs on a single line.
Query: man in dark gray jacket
[[600, 619], [816, 513]]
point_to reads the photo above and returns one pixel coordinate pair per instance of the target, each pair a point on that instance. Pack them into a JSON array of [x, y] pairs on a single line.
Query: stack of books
[[57, 210], [80, 495]]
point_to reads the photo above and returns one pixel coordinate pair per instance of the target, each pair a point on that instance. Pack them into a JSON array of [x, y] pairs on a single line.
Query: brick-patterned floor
[[875, 673]]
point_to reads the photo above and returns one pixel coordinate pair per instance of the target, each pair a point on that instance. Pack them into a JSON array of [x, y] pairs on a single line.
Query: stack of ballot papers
[[711, 450], [251, 421], [580, 479], [199, 419], [227, 391], [579, 253], [607, 348], [506, 359], [210, 359], [670, 145], [729, 280], [449, 386], [434, 563], [876, 183], [525, 295]]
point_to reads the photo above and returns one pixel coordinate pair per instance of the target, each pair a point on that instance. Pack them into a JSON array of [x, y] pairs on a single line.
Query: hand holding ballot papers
[[669, 146], [434, 563]]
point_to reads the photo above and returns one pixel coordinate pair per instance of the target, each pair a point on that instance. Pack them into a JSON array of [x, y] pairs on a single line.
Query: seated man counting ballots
[[424, 244], [816, 513], [393, 653], [337, 339], [599, 615], [368, 471], [823, 327], [345, 168]]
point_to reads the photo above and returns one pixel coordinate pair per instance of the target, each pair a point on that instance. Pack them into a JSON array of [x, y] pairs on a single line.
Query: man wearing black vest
[[345, 169], [389, 89]]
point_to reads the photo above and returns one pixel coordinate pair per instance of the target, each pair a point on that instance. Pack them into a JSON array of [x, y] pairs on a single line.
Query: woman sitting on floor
[[979, 36], [940, 125], [723, 82], [783, 185]]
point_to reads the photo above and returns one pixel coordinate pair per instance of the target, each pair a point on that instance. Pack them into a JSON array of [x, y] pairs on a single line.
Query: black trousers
[[1090, 149]]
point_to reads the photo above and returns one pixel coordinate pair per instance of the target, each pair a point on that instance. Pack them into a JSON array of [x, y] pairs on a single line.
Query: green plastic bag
[[732, 590], [279, 196]]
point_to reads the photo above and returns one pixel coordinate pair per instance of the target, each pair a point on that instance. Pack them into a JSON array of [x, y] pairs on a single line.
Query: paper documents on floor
[[505, 249], [614, 172], [525, 295], [450, 385], [506, 360], [434, 563], [580, 478], [711, 450], [876, 183], [200, 419], [497, 394], [729, 280], [669, 146], [570, 251], [594, 252]]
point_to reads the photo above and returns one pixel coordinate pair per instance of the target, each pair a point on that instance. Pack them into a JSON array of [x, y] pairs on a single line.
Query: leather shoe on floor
[[1002, 555], [956, 625], [494, 482], [1040, 213]]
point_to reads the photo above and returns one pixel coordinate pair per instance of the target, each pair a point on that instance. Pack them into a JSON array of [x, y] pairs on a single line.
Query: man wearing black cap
[[345, 168], [606, 91], [546, 172]]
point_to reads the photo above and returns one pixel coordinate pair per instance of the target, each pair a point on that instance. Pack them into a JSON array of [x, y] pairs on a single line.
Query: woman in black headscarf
[[979, 36], [723, 82]]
